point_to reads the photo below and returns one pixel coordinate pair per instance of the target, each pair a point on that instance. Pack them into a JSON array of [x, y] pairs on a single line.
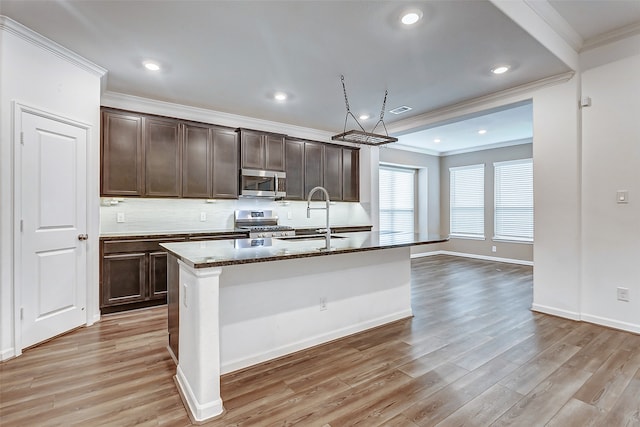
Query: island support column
[[198, 372]]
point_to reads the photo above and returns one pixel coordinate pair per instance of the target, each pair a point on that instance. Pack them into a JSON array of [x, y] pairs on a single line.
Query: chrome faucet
[[309, 208]]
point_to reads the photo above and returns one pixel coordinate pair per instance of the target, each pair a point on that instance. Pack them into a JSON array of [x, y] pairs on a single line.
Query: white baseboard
[[234, 365], [424, 254], [7, 354], [475, 256], [198, 412], [611, 323], [571, 315]]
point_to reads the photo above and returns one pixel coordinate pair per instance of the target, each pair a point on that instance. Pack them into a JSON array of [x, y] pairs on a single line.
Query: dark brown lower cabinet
[[133, 274], [134, 270]]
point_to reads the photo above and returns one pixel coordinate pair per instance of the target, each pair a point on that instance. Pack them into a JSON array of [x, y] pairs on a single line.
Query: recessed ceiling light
[[500, 69], [437, 140], [151, 66], [364, 116], [482, 131], [411, 17], [280, 96]]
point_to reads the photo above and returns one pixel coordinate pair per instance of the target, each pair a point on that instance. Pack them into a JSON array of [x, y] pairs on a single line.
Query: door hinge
[[21, 313], [21, 225], [22, 138]]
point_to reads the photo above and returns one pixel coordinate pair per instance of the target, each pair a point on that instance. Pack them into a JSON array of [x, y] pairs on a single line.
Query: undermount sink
[[309, 237]]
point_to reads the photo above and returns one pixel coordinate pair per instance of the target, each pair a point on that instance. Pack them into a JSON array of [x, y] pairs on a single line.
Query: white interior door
[[53, 281]]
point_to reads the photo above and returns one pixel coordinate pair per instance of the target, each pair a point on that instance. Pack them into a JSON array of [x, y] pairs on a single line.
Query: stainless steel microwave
[[262, 183]]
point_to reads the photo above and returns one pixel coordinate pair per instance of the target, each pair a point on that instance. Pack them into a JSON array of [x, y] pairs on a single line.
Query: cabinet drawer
[[147, 245]]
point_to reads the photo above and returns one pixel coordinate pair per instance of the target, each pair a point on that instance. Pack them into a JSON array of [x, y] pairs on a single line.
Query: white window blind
[[466, 207], [514, 200], [397, 199]]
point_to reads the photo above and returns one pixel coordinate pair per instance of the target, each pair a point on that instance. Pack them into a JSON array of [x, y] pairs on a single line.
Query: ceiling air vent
[[400, 110]]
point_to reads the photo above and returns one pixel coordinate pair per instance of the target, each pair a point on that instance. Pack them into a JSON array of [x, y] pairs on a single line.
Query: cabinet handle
[[83, 236]]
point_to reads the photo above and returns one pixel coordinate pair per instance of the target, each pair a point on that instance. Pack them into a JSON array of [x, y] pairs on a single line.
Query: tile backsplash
[[139, 216]]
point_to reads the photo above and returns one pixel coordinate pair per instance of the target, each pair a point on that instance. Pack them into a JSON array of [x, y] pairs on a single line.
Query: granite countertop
[[217, 253], [116, 235]]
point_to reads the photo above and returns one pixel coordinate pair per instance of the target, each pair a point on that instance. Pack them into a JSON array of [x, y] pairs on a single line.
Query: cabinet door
[[313, 168], [333, 171], [157, 275], [274, 152], [294, 167], [225, 164], [252, 149], [162, 158], [121, 155], [123, 278], [196, 161], [350, 175]]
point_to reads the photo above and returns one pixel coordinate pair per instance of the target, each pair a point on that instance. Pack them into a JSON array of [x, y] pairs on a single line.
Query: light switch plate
[[622, 196]]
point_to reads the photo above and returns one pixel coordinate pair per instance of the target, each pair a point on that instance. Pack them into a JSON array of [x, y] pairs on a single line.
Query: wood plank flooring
[[473, 355]]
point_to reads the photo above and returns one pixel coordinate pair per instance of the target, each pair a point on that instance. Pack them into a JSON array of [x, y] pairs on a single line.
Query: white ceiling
[[231, 56], [510, 125]]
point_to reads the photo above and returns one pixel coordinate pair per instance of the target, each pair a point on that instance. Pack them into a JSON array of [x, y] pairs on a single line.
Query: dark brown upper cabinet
[[162, 158], [121, 154], [225, 163], [332, 167], [311, 163], [313, 168], [350, 174], [197, 163], [294, 167], [210, 162], [261, 150]]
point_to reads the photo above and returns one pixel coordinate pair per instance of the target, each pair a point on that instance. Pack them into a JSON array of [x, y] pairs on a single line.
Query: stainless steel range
[[261, 223]]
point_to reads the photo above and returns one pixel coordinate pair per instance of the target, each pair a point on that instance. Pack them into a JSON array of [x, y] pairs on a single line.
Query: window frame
[[503, 237], [461, 235], [404, 169]]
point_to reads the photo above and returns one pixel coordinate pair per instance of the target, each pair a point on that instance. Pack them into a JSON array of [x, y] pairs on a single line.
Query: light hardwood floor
[[473, 355]]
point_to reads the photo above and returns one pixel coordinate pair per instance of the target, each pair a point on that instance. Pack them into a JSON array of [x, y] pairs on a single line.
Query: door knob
[[82, 237]]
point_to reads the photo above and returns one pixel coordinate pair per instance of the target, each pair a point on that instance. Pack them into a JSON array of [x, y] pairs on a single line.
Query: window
[[514, 200], [397, 199], [466, 204]]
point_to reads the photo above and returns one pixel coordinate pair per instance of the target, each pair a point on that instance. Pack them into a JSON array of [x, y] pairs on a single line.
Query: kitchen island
[[235, 303]]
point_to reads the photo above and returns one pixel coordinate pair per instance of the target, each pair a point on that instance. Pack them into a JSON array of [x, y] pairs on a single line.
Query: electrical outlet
[[623, 294], [323, 303], [184, 294], [289, 215], [203, 216], [120, 217], [493, 249]]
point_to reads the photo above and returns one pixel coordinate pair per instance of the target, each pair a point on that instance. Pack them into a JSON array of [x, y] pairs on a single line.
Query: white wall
[[611, 162], [556, 187], [40, 74]]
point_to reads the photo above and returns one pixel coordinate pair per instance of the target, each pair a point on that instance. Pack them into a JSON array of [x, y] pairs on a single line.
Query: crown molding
[[611, 36], [423, 121], [9, 25], [551, 16], [186, 112], [461, 150], [487, 147], [397, 146]]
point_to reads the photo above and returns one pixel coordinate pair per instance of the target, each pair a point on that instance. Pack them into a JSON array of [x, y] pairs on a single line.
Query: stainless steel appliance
[[262, 183], [261, 223]]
